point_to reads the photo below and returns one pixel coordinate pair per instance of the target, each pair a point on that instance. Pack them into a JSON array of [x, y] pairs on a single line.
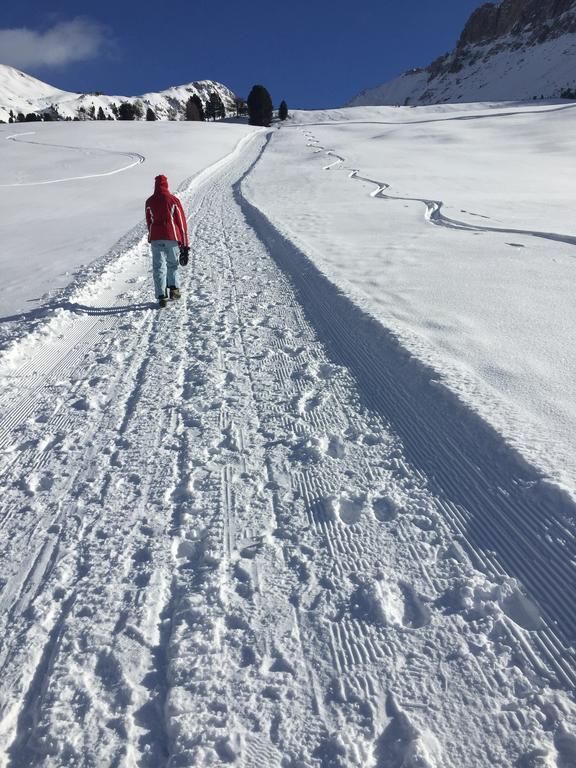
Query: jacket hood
[[160, 183]]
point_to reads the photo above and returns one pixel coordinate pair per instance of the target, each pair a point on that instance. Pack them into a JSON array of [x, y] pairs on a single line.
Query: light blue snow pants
[[165, 265]]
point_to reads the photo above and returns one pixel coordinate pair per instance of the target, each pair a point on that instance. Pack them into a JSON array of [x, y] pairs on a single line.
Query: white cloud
[[67, 41]]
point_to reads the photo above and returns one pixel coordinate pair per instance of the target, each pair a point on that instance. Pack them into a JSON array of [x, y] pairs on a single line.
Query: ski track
[[18, 138], [248, 529], [433, 207]]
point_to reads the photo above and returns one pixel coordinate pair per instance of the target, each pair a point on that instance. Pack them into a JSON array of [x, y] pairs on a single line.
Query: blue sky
[[313, 54]]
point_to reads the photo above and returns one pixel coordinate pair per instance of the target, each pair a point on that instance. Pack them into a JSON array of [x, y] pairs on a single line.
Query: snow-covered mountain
[[513, 50], [20, 92]]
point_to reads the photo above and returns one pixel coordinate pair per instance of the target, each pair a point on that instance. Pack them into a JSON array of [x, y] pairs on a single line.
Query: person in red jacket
[[168, 236]]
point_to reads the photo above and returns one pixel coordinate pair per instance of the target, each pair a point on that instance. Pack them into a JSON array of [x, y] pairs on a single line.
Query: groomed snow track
[[251, 530]]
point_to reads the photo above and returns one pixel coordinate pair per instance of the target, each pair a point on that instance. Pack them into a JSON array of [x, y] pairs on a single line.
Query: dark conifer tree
[[126, 111], [192, 111], [241, 106], [101, 115], [209, 110], [150, 114], [259, 106], [283, 111], [198, 101], [217, 109]]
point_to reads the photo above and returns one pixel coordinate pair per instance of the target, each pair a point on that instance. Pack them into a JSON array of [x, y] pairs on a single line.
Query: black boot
[[174, 292], [162, 301]]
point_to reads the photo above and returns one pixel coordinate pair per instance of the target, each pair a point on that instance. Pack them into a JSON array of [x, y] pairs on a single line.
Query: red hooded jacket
[[164, 214]]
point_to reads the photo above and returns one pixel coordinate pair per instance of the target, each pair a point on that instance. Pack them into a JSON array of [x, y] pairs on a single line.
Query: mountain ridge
[[20, 92], [511, 51]]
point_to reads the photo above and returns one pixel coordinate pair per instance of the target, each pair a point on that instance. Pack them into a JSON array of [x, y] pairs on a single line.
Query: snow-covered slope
[[20, 92], [499, 57], [69, 192], [454, 227], [250, 529]]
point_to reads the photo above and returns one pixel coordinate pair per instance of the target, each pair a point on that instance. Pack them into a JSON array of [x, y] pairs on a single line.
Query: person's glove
[[184, 255]]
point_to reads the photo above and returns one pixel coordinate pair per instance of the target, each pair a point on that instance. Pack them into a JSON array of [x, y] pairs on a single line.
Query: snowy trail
[[249, 529], [136, 157], [433, 207]]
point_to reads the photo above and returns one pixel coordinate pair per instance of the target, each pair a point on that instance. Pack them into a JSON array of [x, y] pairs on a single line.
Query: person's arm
[[180, 220], [149, 219]]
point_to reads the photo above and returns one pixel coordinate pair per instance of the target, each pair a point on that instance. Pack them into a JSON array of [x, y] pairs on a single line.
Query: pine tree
[[101, 115], [150, 114], [198, 101], [259, 106], [241, 106], [126, 111], [217, 109], [191, 111], [283, 111]]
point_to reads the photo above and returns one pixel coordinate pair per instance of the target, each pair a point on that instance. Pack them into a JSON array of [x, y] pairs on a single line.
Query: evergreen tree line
[[194, 109], [258, 107]]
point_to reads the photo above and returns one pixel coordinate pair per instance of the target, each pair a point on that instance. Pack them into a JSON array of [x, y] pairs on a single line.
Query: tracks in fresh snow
[[135, 157], [434, 212], [249, 529]]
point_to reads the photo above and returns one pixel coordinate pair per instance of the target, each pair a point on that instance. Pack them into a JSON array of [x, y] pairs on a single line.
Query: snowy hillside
[[320, 511], [527, 59], [457, 232], [78, 187], [20, 92]]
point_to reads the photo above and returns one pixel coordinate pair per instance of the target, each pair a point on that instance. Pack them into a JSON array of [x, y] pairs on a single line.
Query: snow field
[[478, 296], [248, 530], [70, 191]]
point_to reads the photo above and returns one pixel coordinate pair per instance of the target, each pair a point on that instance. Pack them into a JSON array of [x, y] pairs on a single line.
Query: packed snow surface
[[277, 524]]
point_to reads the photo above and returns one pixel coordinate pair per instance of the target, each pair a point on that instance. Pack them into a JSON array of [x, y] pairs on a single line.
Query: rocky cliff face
[[513, 50], [513, 17]]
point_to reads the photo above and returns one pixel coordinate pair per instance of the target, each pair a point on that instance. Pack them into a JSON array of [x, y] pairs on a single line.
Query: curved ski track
[[17, 137], [433, 207], [231, 537]]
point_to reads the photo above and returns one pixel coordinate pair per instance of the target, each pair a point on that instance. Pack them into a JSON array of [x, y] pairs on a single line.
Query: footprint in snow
[[403, 743], [385, 509], [347, 507], [388, 604]]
